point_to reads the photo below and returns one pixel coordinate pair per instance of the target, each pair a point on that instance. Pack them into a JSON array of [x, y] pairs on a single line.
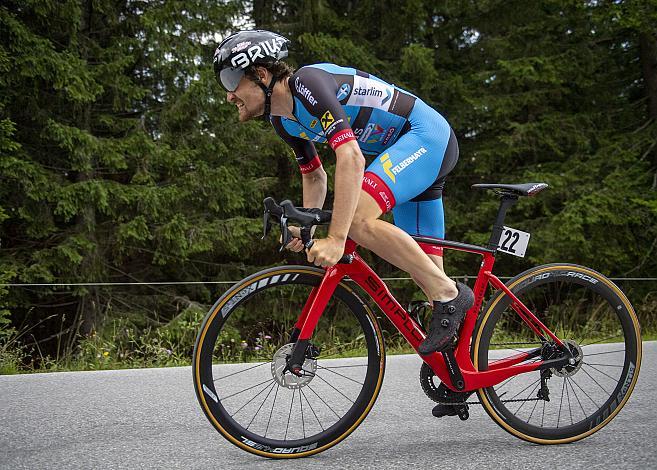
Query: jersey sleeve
[[304, 150], [316, 89]]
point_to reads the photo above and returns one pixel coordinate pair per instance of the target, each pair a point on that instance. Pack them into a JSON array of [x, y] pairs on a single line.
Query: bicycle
[[312, 352]]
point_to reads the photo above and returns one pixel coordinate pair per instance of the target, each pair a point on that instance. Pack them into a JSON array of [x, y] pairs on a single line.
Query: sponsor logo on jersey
[[387, 97], [341, 137], [386, 200], [389, 134], [371, 93], [257, 51], [344, 91], [332, 127], [313, 123], [305, 92], [377, 134], [369, 182], [387, 164], [327, 119], [371, 134], [405, 163]]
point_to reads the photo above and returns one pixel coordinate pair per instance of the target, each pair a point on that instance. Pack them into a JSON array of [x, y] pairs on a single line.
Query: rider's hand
[[295, 244], [326, 251]]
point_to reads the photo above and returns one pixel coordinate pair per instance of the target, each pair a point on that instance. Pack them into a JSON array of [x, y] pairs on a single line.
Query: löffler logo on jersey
[[305, 92]]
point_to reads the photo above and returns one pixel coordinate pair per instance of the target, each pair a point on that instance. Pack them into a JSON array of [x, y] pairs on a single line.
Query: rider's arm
[[314, 188], [316, 90], [313, 175], [349, 168]]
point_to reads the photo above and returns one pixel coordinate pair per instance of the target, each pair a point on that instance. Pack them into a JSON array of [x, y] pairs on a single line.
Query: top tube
[[454, 245]]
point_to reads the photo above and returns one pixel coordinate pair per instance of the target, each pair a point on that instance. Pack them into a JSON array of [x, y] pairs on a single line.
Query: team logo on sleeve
[[344, 91], [327, 120]]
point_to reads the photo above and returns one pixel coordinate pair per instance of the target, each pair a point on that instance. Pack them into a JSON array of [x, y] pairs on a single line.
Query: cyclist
[[357, 113]]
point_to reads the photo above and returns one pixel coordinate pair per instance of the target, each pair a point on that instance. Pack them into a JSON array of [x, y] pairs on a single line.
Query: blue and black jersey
[[338, 104], [415, 147]]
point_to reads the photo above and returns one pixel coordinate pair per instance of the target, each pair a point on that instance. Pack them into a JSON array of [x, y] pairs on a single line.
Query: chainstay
[[479, 403]]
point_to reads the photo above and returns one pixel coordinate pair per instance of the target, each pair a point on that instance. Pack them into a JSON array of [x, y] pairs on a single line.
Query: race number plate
[[514, 242]]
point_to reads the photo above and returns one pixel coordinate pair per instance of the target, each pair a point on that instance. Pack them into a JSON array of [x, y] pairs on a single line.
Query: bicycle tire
[[288, 282], [574, 290]]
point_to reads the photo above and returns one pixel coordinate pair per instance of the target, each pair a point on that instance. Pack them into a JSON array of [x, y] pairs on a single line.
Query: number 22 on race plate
[[514, 241]]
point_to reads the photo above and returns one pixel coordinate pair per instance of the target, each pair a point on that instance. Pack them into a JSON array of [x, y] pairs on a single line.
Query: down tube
[[363, 275]]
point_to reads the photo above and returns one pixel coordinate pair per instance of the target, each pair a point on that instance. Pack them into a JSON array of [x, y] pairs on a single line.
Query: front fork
[[312, 311]]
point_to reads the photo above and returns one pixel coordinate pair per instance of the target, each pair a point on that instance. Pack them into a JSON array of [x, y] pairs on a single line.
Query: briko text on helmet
[[258, 51]]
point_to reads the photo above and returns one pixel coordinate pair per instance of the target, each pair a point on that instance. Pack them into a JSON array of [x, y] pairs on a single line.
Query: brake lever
[[285, 233], [266, 224]]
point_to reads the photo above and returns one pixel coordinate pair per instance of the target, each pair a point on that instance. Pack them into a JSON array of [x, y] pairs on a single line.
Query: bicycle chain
[[430, 389], [479, 403]]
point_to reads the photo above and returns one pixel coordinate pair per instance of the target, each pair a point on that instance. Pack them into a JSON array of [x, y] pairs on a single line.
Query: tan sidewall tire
[[487, 315]]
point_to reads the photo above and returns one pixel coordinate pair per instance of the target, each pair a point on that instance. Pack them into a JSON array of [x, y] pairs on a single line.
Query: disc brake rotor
[[286, 378], [571, 369]]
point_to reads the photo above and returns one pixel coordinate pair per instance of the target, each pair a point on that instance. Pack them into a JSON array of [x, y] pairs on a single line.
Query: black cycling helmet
[[241, 50]]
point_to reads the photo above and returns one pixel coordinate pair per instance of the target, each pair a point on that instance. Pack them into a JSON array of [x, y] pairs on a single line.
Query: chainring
[[436, 391]]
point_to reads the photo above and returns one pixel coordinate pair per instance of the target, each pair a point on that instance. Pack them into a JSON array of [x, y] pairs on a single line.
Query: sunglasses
[[230, 78]]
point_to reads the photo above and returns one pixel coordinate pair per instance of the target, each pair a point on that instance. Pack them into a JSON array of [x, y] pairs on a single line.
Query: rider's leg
[[398, 248], [424, 217], [408, 177], [438, 261]]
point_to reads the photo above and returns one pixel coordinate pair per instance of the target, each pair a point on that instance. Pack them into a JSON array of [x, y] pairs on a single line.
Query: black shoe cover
[[446, 320]]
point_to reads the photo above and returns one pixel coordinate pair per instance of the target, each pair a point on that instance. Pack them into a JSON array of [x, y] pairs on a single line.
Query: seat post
[[506, 201]]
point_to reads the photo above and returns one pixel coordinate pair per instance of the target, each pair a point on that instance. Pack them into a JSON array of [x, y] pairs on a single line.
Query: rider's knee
[[362, 227]]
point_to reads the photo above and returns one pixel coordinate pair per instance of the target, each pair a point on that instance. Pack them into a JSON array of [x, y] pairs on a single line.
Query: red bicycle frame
[[367, 279]]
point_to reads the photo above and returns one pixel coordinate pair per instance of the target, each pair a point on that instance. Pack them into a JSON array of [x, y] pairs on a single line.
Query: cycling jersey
[[414, 145]]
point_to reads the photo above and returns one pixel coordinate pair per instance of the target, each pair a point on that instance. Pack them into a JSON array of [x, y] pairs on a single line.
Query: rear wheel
[[240, 358], [594, 318]]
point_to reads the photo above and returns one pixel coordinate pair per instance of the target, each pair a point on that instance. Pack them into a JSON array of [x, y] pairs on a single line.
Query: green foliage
[[120, 159]]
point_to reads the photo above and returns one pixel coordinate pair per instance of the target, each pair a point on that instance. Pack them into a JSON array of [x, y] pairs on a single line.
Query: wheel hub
[[286, 378], [575, 363]]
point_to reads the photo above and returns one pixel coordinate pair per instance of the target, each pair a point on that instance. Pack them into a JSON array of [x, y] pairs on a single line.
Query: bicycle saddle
[[523, 189]]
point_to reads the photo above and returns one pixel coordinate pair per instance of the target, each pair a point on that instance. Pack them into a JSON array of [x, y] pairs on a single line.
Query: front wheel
[[591, 315], [241, 352]]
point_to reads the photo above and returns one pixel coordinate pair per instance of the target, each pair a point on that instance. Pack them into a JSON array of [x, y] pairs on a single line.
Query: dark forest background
[[120, 160]]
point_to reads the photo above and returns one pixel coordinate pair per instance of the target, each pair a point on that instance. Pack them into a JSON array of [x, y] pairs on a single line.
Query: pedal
[[462, 411], [441, 410], [417, 309]]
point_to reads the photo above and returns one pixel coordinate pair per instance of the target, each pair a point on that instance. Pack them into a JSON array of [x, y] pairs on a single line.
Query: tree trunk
[[648, 58], [88, 311], [263, 13]]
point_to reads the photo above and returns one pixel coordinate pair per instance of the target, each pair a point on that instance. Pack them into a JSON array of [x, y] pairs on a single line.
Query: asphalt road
[[150, 418]]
